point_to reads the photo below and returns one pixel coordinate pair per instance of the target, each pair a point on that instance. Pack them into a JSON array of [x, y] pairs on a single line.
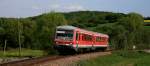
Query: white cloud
[[73, 7], [66, 7]]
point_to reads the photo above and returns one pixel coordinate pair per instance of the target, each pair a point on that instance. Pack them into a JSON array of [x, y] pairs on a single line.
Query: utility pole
[[19, 38]]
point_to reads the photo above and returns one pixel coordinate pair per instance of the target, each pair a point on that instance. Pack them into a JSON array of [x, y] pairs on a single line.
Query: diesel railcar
[[73, 39]]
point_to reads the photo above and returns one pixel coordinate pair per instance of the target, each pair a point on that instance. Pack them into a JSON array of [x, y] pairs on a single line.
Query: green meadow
[[119, 58]]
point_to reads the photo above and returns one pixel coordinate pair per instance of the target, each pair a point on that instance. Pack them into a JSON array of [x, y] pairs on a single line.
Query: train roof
[[68, 27]]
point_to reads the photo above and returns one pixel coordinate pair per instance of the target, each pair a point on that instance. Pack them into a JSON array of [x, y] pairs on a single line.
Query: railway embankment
[[56, 60]]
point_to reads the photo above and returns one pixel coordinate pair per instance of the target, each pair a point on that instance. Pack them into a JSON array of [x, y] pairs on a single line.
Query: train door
[[93, 42], [77, 41]]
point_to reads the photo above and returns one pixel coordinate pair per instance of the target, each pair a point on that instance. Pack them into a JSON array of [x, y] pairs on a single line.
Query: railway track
[[45, 61], [32, 61]]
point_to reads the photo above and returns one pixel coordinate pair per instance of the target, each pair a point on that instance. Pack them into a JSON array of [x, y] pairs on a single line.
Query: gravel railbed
[[69, 61], [6, 60]]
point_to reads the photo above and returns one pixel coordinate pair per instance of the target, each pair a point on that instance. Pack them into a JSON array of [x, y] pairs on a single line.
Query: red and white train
[[70, 38]]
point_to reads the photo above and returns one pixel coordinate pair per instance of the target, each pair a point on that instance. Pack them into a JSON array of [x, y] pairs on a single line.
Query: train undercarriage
[[64, 50]]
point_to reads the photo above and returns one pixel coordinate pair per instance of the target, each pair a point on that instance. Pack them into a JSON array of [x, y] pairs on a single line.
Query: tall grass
[[24, 53]]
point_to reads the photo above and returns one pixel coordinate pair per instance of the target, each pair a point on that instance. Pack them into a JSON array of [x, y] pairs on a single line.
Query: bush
[[130, 54]]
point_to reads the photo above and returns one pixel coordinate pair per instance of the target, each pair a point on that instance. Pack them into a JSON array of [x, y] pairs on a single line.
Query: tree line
[[37, 32], [125, 30]]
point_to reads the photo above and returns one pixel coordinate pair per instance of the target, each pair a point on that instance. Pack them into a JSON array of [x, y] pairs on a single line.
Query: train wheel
[[104, 49]]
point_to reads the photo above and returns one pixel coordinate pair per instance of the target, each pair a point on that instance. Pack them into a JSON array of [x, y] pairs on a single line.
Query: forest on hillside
[[37, 32]]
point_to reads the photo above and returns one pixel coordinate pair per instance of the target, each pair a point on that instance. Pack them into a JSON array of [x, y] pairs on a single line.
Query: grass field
[[146, 26], [120, 58], [24, 53]]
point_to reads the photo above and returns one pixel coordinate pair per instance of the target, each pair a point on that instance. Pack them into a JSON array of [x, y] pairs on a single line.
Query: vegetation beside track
[[37, 32], [119, 58], [24, 53]]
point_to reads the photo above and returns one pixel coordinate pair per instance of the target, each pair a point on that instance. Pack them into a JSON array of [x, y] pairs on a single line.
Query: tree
[[29, 28], [10, 31], [46, 24]]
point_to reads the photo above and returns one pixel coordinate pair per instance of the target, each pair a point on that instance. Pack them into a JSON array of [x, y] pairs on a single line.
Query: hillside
[[91, 18]]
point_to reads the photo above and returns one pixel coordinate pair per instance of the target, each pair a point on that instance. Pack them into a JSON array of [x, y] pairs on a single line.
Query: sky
[[27, 8]]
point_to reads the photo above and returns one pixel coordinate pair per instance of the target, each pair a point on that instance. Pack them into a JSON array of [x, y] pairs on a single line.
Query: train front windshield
[[64, 35]]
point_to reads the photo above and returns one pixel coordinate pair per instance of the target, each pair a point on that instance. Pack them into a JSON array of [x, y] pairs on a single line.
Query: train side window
[[103, 38], [89, 37], [86, 37], [98, 39]]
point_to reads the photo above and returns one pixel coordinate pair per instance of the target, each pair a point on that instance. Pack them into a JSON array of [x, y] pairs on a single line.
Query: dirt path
[[68, 61]]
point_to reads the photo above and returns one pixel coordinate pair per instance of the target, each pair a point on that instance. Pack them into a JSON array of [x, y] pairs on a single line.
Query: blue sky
[[26, 8]]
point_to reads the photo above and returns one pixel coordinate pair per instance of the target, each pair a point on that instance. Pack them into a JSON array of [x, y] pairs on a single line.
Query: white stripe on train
[[82, 46]]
